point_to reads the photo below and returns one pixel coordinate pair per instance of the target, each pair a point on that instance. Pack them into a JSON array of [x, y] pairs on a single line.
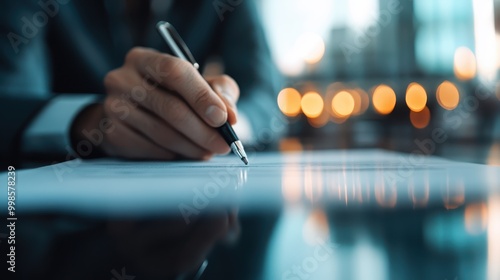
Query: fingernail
[[216, 116]]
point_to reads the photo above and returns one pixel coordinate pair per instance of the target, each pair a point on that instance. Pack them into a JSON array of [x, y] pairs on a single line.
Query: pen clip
[[175, 42]]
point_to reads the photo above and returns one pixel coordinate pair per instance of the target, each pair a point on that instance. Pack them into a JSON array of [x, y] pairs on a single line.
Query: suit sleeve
[[25, 86]]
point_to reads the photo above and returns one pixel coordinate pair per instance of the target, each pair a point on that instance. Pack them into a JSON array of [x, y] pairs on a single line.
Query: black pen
[[177, 45]]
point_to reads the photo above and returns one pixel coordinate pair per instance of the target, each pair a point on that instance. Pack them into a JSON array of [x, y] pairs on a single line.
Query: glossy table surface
[[357, 214], [357, 178]]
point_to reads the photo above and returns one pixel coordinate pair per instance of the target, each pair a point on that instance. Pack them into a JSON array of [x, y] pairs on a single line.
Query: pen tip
[[245, 160]]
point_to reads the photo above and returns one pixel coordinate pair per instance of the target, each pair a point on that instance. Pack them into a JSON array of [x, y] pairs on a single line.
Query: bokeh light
[[420, 119], [312, 104], [311, 47], [465, 66], [448, 95], [384, 99], [416, 97], [343, 104], [289, 102], [331, 91]]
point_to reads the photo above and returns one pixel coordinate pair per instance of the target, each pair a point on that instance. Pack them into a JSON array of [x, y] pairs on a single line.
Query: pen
[[180, 49]]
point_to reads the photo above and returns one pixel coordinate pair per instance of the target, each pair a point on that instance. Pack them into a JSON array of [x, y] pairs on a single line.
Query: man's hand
[[160, 107]]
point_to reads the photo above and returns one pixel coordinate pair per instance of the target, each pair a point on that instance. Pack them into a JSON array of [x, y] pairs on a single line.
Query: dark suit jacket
[[68, 46]]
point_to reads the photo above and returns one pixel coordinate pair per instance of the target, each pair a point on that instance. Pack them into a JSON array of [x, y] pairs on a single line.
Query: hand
[[160, 107]]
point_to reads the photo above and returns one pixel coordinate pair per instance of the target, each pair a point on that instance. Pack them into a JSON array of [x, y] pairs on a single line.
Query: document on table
[[332, 178]]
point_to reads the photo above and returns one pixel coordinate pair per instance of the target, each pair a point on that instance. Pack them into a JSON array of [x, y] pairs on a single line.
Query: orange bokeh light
[[448, 95], [289, 102], [416, 97], [343, 104], [312, 104], [384, 99]]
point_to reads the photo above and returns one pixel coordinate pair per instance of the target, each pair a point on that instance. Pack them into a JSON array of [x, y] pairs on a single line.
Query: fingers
[[179, 116], [165, 104], [164, 135], [181, 77], [169, 122], [227, 89]]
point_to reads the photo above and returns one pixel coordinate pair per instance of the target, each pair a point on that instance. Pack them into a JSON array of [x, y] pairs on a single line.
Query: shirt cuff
[[49, 131]]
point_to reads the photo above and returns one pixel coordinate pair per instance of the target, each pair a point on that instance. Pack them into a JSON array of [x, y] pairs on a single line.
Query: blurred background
[[395, 75], [413, 76], [389, 74]]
